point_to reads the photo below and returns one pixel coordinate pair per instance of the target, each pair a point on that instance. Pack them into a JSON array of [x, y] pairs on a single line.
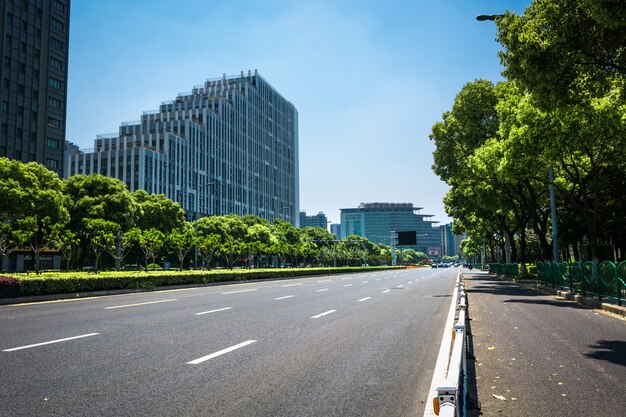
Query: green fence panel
[[588, 277], [621, 282], [606, 277], [575, 275]]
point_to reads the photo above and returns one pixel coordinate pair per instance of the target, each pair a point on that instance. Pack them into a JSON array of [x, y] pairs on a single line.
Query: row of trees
[[95, 220], [562, 108]]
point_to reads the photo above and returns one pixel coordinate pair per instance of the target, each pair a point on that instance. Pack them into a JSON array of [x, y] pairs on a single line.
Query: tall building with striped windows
[[228, 146], [33, 80]]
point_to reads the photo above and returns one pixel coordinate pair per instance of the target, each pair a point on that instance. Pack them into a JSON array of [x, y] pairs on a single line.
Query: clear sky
[[369, 78]]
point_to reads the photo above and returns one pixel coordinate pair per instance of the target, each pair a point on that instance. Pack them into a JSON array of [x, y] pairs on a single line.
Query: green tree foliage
[[566, 51], [102, 235], [181, 240], [156, 211], [150, 242]]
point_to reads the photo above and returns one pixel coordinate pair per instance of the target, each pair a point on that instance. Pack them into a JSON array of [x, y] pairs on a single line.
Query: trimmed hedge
[[76, 282]]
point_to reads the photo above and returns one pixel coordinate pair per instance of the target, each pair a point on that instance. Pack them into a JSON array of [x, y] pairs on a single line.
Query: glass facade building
[[228, 146], [318, 220], [376, 221], [33, 80]]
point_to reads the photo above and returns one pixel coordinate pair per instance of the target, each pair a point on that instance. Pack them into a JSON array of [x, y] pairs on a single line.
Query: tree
[[208, 241], [8, 241], [99, 197], [32, 204], [566, 51], [38, 233], [66, 242], [149, 241], [156, 211], [258, 240], [102, 235], [182, 240]]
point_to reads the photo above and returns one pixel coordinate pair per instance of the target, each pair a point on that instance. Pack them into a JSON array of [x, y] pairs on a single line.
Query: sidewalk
[[536, 355]]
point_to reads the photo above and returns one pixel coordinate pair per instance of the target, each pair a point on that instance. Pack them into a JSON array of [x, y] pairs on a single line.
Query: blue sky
[[369, 78]]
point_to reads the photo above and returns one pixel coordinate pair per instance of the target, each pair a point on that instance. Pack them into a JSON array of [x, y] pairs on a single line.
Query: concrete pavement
[[537, 355]]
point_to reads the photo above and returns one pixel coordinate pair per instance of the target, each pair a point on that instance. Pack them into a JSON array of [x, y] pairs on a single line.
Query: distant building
[[376, 221], [335, 229], [33, 76], [228, 146], [319, 220], [450, 242]]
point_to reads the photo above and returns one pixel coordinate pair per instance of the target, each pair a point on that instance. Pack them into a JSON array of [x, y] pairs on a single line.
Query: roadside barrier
[[450, 376]]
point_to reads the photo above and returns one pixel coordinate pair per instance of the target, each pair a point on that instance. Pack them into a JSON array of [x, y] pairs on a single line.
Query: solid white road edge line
[[291, 285], [365, 299], [50, 342], [221, 352], [213, 311], [441, 366], [323, 314], [141, 304]]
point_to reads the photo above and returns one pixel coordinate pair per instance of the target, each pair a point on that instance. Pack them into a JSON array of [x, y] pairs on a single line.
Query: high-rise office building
[[376, 221], [318, 220], [33, 80], [228, 146]]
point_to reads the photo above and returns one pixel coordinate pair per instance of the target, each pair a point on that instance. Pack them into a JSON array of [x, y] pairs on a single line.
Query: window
[[23, 46], [58, 25], [59, 6], [23, 68], [7, 83], [55, 63], [54, 103], [54, 122], [24, 24], [7, 61], [34, 115], [20, 111], [57, 44], [21, 89], [9, 40], [9, 19], [54, 83], [53, 143], [5, 106], [52, 163], [5, 128], [19, 133]]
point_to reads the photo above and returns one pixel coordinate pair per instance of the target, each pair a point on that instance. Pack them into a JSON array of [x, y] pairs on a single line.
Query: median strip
[[221, 352], [50, 342], [141, 304]]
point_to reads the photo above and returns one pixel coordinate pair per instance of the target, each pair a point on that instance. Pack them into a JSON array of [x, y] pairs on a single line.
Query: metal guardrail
[[450, 384]]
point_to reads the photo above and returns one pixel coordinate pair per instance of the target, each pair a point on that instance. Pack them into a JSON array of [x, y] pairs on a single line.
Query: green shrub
[[77, 282]]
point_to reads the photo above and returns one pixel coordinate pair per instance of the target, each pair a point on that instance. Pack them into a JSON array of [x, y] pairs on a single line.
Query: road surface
[[347, 345]]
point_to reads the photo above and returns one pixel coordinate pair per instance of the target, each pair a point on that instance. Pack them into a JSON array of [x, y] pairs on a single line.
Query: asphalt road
[[348, 345]]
